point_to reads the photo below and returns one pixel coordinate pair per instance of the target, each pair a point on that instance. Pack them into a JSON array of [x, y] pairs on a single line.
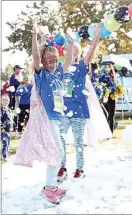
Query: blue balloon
[[49, 42], [104, 32], [91, 29], [59, 40]]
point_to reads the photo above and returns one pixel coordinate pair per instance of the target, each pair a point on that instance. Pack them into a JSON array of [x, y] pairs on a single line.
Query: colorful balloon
[[104, 32], [91, 29], [50, 42], [130, 11], [59, 40], [121, 14], [118, 67], [60, 50], [51, 38], [61, 59], [111, 24], [83, 32]]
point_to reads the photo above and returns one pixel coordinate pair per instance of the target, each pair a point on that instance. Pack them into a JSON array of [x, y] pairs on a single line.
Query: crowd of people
[[61, 92], [15, 94]]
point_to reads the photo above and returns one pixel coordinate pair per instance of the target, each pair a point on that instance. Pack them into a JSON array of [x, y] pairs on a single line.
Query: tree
[[72, 13], [7, 72], [76, 13], [21, 35]]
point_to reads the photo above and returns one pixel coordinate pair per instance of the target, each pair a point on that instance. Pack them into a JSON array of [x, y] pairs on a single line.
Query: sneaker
[[4, 159], [60, 193], [50, 196], [53, 195], [79, 174], [62, 175]]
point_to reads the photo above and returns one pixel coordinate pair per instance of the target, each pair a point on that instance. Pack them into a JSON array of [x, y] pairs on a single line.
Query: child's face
[[50, 61], [107, 69], [5, 101], [25, 80]]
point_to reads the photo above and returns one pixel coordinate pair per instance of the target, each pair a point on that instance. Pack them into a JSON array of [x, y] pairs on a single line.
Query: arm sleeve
[[38, 78], [83, 68]]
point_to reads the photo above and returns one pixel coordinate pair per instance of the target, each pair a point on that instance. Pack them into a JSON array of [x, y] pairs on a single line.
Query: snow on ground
[[106, 189]]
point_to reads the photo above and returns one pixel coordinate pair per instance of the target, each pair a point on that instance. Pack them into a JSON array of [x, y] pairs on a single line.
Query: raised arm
[[90, 53], [69, 55], [35, 49]]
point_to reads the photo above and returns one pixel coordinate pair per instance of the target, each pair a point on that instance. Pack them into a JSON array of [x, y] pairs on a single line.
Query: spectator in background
[[108, 77], [14, 83], [24, 92], [5, 125]]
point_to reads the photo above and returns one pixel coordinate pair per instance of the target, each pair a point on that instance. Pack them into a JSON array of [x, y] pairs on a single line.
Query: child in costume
[[76, 107], [45, 114]]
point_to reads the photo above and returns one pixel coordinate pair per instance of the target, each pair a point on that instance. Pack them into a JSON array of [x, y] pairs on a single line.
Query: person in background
[[108, 77], [5, 125], [24, 92], [14, 83]]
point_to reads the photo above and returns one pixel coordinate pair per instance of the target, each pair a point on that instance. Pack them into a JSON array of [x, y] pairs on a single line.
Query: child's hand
[[2, 131], [35, 26], [43, 30]]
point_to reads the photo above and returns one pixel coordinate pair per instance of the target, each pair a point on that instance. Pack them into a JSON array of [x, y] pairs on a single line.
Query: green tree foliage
[[72, 13], [5, 74], [21, 35], [76, 13]]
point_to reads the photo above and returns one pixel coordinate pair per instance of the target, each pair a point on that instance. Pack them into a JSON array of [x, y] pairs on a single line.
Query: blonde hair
[[46, 48]]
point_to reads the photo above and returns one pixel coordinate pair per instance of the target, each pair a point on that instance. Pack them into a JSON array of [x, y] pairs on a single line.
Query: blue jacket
[[24, 92]]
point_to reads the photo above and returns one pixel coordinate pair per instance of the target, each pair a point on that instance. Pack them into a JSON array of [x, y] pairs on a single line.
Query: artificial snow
[[106, 189]]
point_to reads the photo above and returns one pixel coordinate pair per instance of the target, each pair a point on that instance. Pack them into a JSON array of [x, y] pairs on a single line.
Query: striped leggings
[[78, 126]]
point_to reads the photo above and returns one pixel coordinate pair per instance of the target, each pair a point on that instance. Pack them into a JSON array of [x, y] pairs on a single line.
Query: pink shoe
[[60, 193], [50, 195], [53, 195]]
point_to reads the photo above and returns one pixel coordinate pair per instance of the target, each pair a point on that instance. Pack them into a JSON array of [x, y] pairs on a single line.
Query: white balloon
[[12, 89]]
